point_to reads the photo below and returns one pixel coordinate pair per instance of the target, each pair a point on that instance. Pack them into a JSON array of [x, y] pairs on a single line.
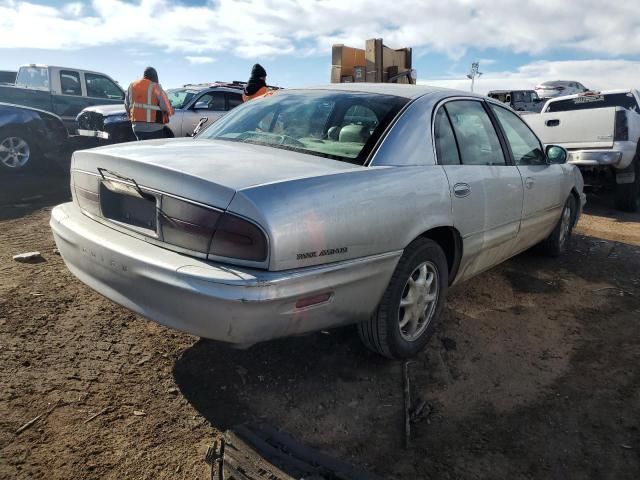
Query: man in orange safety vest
[[148, 107], [257, 84]]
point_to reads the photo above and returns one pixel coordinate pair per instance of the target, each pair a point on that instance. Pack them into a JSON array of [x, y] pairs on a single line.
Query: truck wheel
[[17, 151], [410, 306], [559, 239], [628, 194]]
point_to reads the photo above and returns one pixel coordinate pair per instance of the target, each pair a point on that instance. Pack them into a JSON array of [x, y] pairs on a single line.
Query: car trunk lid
[[204, 171]]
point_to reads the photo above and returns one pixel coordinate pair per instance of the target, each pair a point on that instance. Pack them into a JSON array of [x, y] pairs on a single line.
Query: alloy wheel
[[14, 152], [418, 301]]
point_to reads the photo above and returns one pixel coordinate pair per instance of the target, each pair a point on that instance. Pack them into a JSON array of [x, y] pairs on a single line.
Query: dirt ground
[[534, 371]]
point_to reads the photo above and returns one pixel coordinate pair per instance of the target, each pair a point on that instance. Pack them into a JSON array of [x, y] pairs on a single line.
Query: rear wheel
[[406, 316], [628, 194], [17, 151], [559, 239]]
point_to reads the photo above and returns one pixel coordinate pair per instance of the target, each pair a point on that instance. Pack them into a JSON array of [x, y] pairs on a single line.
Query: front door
[[212, 105], [486, 192], [544, 189]]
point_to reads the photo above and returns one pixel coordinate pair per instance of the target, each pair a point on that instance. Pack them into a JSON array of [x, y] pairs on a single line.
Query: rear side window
[[34, 77], [70, 83], [446, 148], [525, 146], [234, 100], [477, 139], [586, 102], [99, 86]]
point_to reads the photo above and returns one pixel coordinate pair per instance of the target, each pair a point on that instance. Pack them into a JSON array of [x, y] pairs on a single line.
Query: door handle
[[461, 190], [553, 123], [529, 181]]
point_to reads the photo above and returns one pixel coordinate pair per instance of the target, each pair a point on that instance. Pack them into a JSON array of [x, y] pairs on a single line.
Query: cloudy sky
[[518, 43]]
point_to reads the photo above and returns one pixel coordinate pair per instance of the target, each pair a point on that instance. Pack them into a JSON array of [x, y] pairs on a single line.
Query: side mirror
[[201, 106], [556, 154]]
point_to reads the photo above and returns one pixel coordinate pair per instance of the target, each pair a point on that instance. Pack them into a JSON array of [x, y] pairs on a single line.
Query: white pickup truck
[[601, 131]]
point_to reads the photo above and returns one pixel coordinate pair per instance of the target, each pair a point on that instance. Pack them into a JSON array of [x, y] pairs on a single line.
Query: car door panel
[[544, 183], [486, 192]]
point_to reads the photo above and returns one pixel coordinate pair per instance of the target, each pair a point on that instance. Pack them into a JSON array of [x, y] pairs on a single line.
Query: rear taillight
[[621, 126], [209, 231], [186, 225], [238, 238]]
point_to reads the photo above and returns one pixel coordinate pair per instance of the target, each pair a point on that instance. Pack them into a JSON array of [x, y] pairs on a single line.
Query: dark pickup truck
[[62, 91]]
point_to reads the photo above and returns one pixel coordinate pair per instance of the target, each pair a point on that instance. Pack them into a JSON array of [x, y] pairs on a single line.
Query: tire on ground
[[628, 194], [382, 333], [556, 244]]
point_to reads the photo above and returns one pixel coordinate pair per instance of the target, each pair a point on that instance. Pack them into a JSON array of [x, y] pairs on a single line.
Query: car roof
[[395, 89], [600, 92], [559, 82]]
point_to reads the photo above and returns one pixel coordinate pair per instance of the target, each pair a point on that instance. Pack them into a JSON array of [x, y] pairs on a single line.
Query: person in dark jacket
[[257, 84]]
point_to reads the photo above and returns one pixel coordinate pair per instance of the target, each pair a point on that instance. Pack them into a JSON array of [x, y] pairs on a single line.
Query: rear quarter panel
[[29, 97], [343, 216]]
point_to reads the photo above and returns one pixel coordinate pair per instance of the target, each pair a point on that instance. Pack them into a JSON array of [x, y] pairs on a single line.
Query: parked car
[[519, 100], [313, 208], [8, 76], [191, 103], [60, 90], [601, 131], [28, 135], [558, 88]]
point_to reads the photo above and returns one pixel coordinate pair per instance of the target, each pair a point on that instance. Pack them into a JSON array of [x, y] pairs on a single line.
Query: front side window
[[211, 101], [477, 139], [331, 124], [525, 146], [99, 86], [34, 77], [446, 148], [70, 83]]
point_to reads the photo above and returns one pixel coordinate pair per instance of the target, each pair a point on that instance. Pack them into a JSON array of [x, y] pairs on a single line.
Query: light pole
[[474, 73]]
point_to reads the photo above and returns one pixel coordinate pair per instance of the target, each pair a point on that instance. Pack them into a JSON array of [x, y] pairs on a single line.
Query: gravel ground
[[533, 372]]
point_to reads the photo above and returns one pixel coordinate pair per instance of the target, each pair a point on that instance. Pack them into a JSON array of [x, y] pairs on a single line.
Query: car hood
[[107, 110], [207, 171]]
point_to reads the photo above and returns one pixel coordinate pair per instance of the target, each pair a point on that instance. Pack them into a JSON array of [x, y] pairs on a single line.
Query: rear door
[[544, 184], [69, 99], [486, 190]]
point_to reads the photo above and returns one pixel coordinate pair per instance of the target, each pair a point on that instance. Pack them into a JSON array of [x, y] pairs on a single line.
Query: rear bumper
[[595, 158], [230, 304], [619, 156]]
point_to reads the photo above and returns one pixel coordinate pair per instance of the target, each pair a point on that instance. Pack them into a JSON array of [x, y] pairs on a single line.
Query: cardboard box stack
[[375, 63]]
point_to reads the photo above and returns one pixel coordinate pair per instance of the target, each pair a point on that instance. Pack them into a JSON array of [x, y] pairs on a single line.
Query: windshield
[[180, 97], [331, 124], [585, 102], [35, 77]]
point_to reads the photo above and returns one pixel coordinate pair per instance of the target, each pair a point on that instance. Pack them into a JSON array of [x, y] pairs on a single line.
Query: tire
[[384, 333], [18, 152], [556, 244], [628, 194]]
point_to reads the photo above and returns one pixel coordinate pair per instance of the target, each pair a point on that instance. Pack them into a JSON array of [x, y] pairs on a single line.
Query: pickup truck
[[62, 91], [601, 131]]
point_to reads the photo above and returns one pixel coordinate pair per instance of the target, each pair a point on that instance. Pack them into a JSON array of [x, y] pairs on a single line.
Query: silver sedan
[[313, 208]]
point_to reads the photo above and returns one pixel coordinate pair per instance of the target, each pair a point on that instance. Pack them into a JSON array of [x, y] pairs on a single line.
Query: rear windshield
[[338, 125], [35, 77], [180, 97], [585, 102]]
